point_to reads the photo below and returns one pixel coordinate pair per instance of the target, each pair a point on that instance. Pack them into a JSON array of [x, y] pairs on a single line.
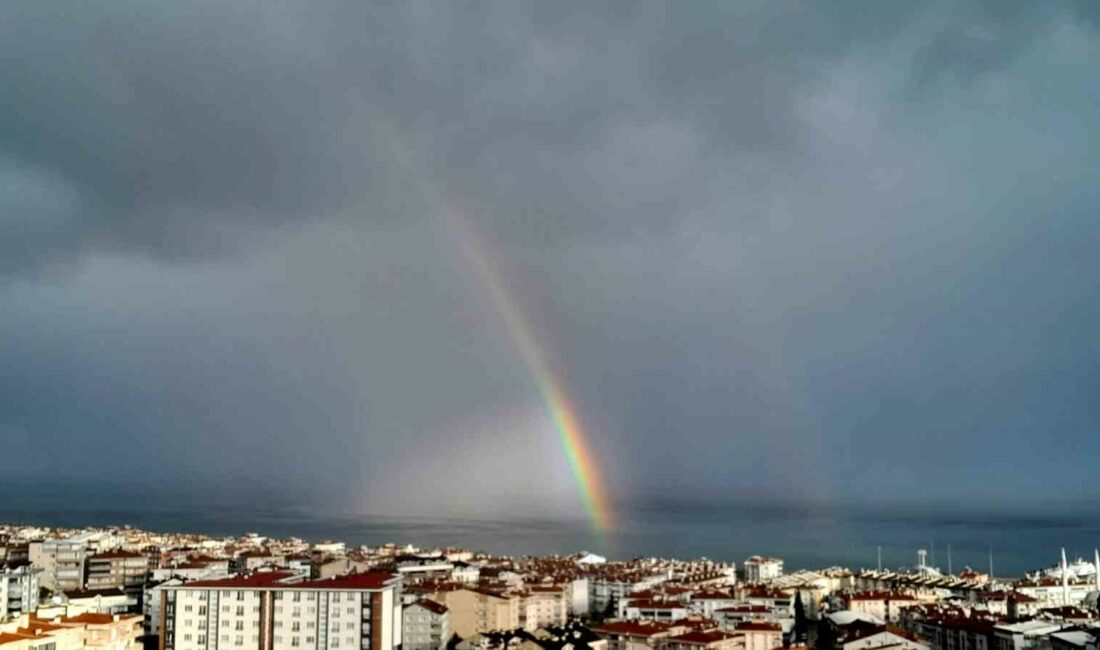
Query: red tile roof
[[703, 638], [253, 581], [367, 580], [632, 628], [758, 626], [281, 580]]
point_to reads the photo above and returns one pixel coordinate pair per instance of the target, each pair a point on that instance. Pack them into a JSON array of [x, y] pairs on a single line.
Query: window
[[335, 642], [311, 624], [351, 610], [295, 626], [294, 642], [335, 598], [240, 611], [186, 608], [297, 597], [225, 623], [239, 626], [278, 595], [225, 609], [202, 639], [186, 637], [240, 595], [238, 640]]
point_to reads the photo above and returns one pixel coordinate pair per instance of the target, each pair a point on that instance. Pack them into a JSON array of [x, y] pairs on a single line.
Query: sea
[[804, 538]]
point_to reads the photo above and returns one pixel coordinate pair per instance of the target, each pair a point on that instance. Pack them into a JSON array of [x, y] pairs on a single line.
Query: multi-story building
[[125, 570], [606, 589], [278, 611], [760, 635], [1025, 635], [426, 626], [636, 635], [18, 590], [544, 607], [761, 569], [885, 605], [83, 632], [704, 640], [479, 610], [62, 560]]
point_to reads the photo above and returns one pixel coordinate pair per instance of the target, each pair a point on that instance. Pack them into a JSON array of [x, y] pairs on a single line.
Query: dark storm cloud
[[822, 252]]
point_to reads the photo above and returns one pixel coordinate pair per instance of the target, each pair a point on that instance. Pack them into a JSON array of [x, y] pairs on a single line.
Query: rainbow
[[563, 413], [571, 434]]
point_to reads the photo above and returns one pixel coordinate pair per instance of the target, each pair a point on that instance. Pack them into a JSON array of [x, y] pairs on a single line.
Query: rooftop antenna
[[990, 564], [949, 571], [880, 559], [922, 555], [932, 545]]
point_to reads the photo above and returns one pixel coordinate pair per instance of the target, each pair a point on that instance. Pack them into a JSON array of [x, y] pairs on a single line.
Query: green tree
[[799, 619]]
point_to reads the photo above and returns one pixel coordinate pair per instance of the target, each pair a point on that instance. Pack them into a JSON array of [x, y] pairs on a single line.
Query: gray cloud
[[811, 252]]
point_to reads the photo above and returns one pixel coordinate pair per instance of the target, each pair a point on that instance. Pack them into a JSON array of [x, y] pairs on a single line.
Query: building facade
[[761, 569], [18, 590], [426, 626], [279, 611]]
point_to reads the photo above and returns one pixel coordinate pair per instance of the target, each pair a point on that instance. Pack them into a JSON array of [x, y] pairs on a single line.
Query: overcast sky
[[817, 252]]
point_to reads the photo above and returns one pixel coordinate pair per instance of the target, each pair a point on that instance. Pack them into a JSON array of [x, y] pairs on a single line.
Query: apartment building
[[83, 632], [478, 610], [126, 570], [426, 626], [278, 610], [544, 607], [18, 590], [759, 568]]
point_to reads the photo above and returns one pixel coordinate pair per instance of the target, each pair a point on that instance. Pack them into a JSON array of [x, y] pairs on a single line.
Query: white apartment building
[[426, 626], [279, 611], [543, 607], [18, 590], [761, 569]]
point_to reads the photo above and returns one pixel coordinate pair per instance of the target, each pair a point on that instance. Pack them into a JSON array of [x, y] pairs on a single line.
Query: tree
[[799, 619]]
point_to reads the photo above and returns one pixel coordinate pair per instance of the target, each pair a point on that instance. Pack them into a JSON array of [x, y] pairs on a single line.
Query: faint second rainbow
[[582, 462]]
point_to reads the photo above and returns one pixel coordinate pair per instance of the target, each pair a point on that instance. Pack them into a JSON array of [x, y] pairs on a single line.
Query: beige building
[[126, 570], [884, 605], [476, 610], [760, 635], [84, 632], [543, 606]]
